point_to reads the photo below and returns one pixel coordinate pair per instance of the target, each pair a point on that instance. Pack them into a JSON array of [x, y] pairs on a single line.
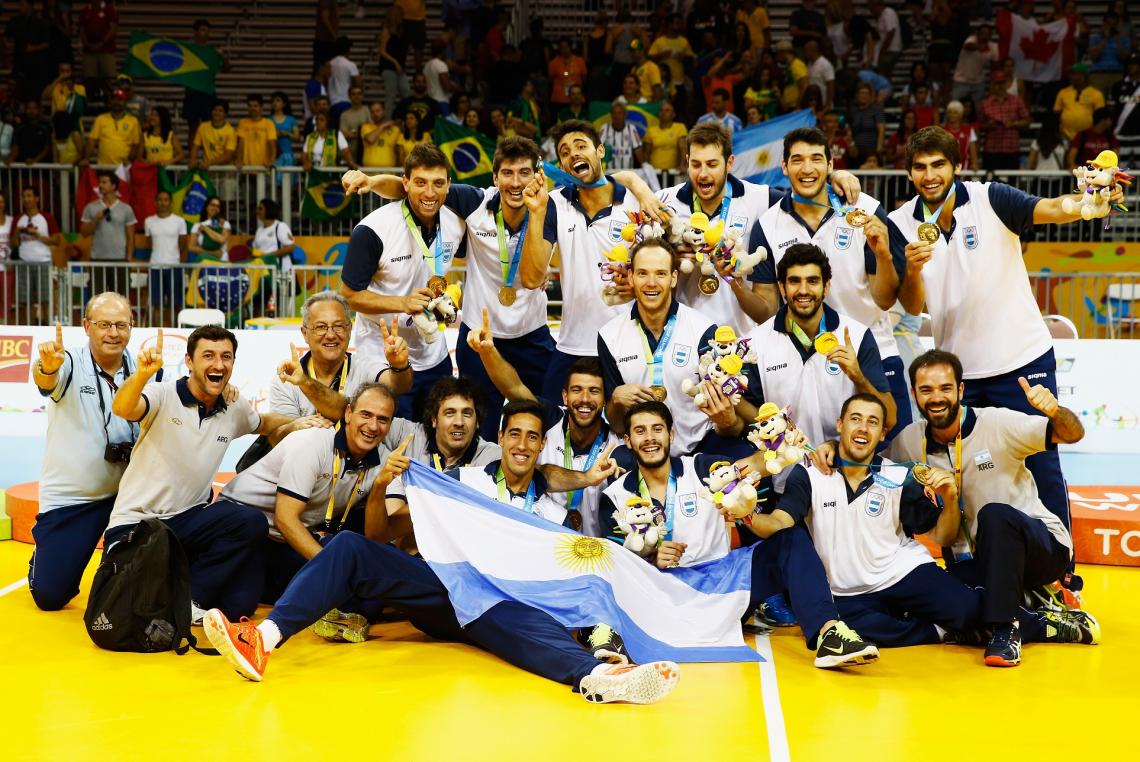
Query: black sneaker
[[606, 645], [1004, 648], [841, 646], [975, 637], [1070, 626]]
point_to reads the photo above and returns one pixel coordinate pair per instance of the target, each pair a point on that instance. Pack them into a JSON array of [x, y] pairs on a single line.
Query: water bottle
[[271, 307]]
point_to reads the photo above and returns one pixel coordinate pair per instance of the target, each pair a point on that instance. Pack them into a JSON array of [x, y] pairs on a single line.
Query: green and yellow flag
[[189, 195], [469, 152], [641, 115], [325, 198], [183, 63]]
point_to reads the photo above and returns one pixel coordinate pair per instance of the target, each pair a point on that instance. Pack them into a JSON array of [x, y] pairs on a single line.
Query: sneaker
[[974, 637], [1004, 648], [197, 614], [240, 643], [756, 624], [630, 683], [606, 645], [841, 646], [1054, 596], [776, 611], [1070, 627], [339, 627]]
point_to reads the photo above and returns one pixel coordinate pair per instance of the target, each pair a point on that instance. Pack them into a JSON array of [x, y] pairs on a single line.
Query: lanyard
[[436, 462], [724, 204], [932, 217], [832, 199], [956, 462], [654, 359], [337, 460], [794, 329], [437, 265], [508, 263], [340, 384], [875, 470], [562, 177], [100, 377], [670, 499], [568, 460], [501, 481]]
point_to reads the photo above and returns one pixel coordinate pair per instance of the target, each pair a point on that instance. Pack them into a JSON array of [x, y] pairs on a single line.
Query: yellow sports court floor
[[403, 697]]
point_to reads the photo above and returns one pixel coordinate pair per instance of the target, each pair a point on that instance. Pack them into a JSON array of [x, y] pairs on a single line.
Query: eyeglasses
[[320, 329], [105, 325]]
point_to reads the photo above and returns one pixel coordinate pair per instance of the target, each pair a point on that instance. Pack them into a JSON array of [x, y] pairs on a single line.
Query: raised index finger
[[158, 344], [846, 335], [610, 449], [486, 321], [296, 353], [59, 334], [403, 445]]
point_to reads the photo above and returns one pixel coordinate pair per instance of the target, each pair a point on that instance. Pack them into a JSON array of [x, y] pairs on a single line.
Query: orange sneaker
[[630, 683], [240, 643]]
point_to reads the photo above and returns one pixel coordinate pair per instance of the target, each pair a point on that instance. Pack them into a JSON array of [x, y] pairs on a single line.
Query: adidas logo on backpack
[[101, 623]]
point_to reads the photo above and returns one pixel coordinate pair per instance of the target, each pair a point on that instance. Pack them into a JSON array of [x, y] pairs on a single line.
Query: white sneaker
[[196, 615], [630, 683]]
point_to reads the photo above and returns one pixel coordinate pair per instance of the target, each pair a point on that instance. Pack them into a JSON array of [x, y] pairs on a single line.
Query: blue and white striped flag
[[486, 552], [759, 149]]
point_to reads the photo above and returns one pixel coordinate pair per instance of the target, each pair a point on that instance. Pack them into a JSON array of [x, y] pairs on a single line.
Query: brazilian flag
[[325, 198], [641, 115], [189, 195], [469, 152], [183, 63]]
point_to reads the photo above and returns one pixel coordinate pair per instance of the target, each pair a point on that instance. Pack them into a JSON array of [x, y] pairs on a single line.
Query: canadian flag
[[1040, 52]]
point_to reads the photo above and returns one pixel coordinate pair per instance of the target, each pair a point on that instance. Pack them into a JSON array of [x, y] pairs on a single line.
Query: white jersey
[[422, 449], [582, 247], [482, 480], [977, 288], [554, 453], [696, 521], [354, 372], [846, 248], [746, 202]]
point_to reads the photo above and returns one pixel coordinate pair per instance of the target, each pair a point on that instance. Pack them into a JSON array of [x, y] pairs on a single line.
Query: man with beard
[[864, 287], [946, 228], [714, 191], [187, 427], [355, 568], [694, 532], [863, 517]]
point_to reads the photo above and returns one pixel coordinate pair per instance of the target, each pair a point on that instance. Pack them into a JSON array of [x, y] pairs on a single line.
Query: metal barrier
[[1101, 305]]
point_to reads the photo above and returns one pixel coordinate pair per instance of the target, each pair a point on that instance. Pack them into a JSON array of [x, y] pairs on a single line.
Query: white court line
[[13, 587], [773, 711]]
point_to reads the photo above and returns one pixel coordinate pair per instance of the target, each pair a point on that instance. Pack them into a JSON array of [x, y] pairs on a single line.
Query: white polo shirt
[[485, 273], [178, 452], [355, 371], [977, 288], [582, 247], [865, 538], [384, 258], [557, 422], [696, 522], [746, 202], [851, 259], [164, 233], [995, 443], [482, 479], [301, 466], [621, 351], [80, 424]]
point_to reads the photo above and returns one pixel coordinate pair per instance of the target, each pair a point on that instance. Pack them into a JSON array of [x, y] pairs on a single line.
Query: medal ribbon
[[436, 263], [724, 204], [876, 471], [501, 481], [932, 217], [509, 264], [575, 497], [670, 499], [654, 359], [833, 202], [794, 329], [332, 494], [562, 177], [956, 462]]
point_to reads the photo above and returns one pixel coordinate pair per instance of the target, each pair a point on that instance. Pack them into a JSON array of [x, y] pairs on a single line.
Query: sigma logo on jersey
[[681, 354], [689, 505], [970, 236], [843, 237], [875, 502]]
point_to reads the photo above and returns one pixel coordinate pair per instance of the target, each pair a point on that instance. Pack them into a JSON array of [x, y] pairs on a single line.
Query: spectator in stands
[[164, 233], [895, 157], [843, 151], [316, 88], [648, 73], [664, 143], [755, 17], [424, 107], [320, 105], [622, 34], [210, 235], [1108, 50], [720, 113], [7, 278], [908, 97], [196, 104], [812, 99], [439, 85], [842, 36], [459, 105], [7, 130], [867, 122], [575, 107], [497, 125], [65, 94], [948, 31], [326, 31], [32, 140], [37, 234], [288, 131], [806, 24], [98, 26], [355, 116], [343, 74], [752, 115], [925, 112], [880, 85], [964, 133], [392, 49], [115, 136], [630, 90], [473, 121], [414, 29], [216, 139], [979, 52], [763, 93], [820, 72], [380, 137], [673, 51], [411, 133], [888, 41], [1126, 105], [1003, 118], [597, 54], [273, 238], [524, 116], [256, 137], [795, 74], [567, 70], [137, 105], [110, 223], [1077, 102], [67, 141], [1089, 143], [623, 140], [1047, 152], [325, 147]]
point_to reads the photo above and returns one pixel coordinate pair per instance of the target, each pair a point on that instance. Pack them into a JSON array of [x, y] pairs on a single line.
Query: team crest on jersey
[[615, 230], [689, 505], [832, 368], [681, 354], [737, 221], [875, 502], [970, 236], [843, 237]]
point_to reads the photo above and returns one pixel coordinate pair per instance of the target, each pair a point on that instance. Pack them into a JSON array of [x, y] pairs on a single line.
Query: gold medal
[[857, 218], [659, 393], [507, 296], [826, 342], [709, 285], [437, 284], [922, 473], [928, 232]]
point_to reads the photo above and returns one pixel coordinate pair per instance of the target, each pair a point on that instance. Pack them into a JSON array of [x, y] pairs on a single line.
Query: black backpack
[[140, 597]]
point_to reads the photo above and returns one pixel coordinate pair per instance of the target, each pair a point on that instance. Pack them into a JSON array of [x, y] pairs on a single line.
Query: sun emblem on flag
[[582, 554]]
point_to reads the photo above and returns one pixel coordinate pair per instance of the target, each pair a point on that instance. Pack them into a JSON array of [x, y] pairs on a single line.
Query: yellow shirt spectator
[[217, 141], [1076, 109], [159, 150], [649, 75], [757, 23], [117, 138], [256, 138], [665, 151], [70, 99], [797, 70], [678, 49], [382, 153]]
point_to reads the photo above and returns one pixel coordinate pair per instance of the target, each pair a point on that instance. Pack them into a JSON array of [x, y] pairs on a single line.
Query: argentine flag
[[760, 149], [486, 552]]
